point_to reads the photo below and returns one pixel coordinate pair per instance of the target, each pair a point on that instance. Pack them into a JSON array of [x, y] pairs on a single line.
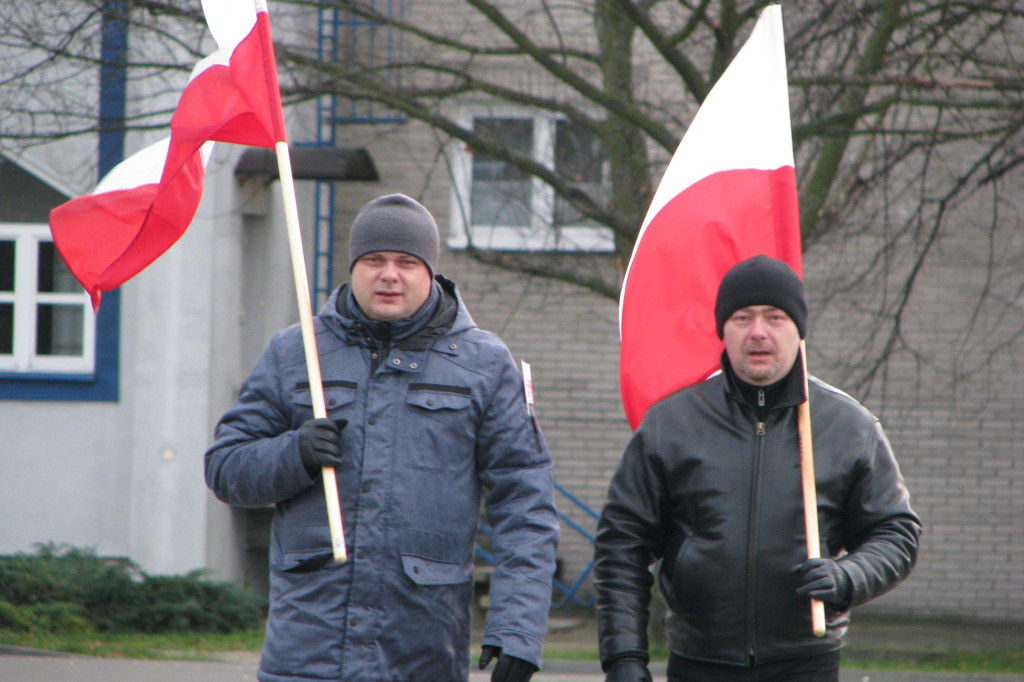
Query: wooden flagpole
[[316, 387], [810, 491]]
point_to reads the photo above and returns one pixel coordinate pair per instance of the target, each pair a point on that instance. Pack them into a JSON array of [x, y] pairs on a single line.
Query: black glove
[[320, 444], [825, 580], [508, 668], [628, 670]]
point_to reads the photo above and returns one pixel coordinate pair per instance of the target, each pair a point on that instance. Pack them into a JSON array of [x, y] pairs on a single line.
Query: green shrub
[[69, 589], [14, 618], [57, 617]]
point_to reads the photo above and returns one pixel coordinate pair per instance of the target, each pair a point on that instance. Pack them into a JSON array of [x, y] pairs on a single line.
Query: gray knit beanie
[[762, 281], [395, 222]]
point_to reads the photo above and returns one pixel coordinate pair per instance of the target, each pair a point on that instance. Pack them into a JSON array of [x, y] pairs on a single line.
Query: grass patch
[[192, 646], [212, 646], [902, 644], [982, 661], [570, 653]]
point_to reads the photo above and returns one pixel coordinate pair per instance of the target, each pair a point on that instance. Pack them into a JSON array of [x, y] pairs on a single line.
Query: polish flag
[[144, 205], [729, 193]]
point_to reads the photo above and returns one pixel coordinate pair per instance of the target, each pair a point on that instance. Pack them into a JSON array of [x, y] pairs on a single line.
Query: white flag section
[[744, 121], [728, 193], [144, 205]]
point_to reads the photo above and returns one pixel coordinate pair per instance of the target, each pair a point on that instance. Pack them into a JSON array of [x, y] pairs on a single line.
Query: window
[[496, 205], [46, 319]]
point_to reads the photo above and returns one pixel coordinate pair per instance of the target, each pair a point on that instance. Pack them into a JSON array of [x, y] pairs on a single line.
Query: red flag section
[[729, 193], [144, 205]]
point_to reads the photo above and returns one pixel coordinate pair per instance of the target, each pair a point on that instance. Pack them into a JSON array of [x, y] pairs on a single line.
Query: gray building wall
[[951, 412], [950, 395], [126, 478], [959, 451]]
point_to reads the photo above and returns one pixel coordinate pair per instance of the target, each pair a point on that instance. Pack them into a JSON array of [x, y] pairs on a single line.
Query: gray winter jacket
[[713, 488], [437, 420]]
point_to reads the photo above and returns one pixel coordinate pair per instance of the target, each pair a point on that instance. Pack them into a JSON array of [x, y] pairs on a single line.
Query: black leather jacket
[[713, 488]]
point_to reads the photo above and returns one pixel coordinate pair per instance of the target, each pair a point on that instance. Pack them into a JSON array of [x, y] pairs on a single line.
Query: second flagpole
[[316, 387], [810, 490]]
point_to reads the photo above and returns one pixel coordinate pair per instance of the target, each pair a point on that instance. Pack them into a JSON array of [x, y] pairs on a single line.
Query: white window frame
[[24, 359], [539, 236]]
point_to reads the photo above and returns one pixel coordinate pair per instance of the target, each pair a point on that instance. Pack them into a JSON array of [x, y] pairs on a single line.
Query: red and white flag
[[144, 205], [729, 193]]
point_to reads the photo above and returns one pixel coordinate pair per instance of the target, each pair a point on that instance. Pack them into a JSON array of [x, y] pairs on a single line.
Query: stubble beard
[[762, 376]]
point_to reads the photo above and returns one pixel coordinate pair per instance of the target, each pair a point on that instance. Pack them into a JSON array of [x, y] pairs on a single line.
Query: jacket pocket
[[424, 571], [439, 435], [337, 394], [691, 589], [440, 570], [300, 539], [440, 595], [306, 561], [439, 396]]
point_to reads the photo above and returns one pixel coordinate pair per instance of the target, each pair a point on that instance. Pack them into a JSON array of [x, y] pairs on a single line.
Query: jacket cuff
[[858, 593], [513, 643], [607, 664]]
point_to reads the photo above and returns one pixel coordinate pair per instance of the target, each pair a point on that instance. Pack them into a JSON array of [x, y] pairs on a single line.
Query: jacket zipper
[[755, 501]]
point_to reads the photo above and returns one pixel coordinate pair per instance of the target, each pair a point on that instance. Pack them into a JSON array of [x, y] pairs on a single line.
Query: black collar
[[786, 392]]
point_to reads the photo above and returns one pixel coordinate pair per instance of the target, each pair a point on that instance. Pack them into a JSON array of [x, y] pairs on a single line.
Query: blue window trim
[[102, 385]]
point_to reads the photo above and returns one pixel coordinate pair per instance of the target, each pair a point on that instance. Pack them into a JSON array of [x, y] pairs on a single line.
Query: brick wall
[[951, 401], [959, 450], [950, 397], [570, 338]]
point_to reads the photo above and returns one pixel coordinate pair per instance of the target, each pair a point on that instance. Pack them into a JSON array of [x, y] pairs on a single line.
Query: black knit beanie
[[395, 222], [762, 281]]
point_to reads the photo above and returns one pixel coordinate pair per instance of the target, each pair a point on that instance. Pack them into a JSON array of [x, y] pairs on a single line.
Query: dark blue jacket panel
[[437, 423]]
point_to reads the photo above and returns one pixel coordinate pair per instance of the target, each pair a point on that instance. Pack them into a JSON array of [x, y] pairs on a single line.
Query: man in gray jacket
[[710, 484], [427, 417]]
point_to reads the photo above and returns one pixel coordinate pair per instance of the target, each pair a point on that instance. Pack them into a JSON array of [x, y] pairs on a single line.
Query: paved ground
[[20, 665]]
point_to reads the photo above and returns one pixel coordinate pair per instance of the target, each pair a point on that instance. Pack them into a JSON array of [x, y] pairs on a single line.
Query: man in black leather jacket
[[710, 484]]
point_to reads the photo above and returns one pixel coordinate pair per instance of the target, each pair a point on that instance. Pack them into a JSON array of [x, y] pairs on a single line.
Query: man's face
[[761, 342], [390, 285]]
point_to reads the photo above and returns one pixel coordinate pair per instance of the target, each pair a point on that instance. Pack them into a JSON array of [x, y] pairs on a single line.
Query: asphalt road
[[18, 665]]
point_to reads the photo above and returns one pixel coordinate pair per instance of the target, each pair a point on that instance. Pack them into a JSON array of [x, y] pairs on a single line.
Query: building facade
[[118, 467]]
